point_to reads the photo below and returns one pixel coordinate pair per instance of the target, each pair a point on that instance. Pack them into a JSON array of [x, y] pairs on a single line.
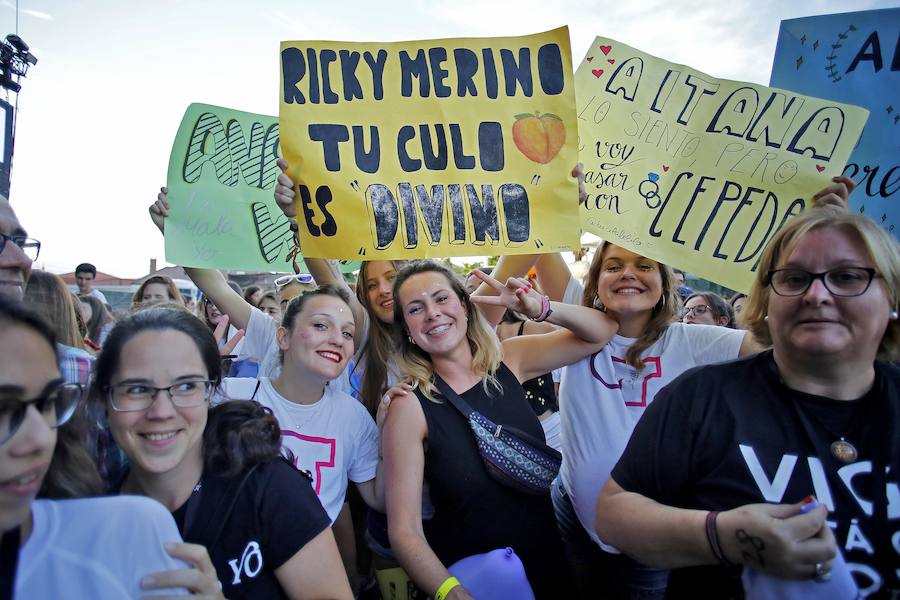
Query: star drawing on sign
[[816, 45], [802, 39], [799, 61]]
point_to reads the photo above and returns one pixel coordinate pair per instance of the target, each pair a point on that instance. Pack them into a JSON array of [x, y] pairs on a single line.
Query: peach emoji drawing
[[539, 136]]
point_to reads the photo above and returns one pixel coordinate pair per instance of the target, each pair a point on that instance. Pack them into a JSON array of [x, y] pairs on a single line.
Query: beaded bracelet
[[545, 310]]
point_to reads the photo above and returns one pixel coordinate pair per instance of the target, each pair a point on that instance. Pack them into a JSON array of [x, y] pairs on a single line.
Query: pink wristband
[[545, 310]]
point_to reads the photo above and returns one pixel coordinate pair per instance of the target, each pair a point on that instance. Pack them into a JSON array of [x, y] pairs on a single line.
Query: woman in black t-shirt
[[218, 470], [425, 439], [819, 414]]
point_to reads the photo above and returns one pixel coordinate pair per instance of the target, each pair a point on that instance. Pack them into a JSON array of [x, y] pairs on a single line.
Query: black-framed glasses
[[133, 396], [840, 281], [57, 404], [700, 309], [30, 246]]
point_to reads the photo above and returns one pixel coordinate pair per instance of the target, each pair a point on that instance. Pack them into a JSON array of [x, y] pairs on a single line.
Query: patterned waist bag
[[511, 457]]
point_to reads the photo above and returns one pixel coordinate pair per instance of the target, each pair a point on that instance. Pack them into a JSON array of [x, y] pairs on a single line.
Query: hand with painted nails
[[837, 194], [516, 295], [200, 580]]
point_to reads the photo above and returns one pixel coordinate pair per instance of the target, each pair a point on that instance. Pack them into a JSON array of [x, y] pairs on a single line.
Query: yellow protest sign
[[434, 148], [699, 172]]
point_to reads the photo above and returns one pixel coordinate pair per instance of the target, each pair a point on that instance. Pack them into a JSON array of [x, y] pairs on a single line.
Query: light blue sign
[[853, 58]]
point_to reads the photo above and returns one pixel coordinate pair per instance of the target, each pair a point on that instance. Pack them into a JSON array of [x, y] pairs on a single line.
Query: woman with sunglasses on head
[[818, 414], [707, 308], [427, 440], [89, 548], [218, 470], [603, 396]]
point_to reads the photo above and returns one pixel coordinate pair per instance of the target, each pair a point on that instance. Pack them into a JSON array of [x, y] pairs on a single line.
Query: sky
[[99, 112]]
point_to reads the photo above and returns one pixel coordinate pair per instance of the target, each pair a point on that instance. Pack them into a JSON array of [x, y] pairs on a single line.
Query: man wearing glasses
[[17, 252]]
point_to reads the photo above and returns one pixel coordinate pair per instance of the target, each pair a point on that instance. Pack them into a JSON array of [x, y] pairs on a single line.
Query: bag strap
[[454, 398], [256, 389]]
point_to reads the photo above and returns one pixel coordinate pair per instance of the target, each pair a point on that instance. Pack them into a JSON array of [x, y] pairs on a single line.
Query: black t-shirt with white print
[[726, 435], [275, 514]]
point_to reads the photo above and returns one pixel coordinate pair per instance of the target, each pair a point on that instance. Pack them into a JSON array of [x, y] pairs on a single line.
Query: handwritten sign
[[699, 172], [853, 57], [433, 148], [221, 181]]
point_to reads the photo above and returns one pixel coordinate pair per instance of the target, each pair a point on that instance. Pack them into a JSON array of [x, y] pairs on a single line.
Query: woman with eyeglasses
[[720, 466], [707, 308], [603, 396], [219, 471], [77, 548]]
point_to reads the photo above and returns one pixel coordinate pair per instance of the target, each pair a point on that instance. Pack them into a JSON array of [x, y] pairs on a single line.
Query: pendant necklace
[[844, 451]]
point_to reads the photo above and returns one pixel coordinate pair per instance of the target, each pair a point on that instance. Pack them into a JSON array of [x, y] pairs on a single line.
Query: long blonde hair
[[664, 311], [881, 246], [415, 363]]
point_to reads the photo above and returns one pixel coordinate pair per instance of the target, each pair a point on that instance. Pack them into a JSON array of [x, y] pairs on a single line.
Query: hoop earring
[[598, 304], [411, 341]]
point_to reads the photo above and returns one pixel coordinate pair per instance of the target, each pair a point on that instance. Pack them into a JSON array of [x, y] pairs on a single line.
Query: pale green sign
[[221, 179]]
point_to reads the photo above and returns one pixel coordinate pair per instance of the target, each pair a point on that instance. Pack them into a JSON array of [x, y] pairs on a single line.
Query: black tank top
[[540, 392], [473, 513]]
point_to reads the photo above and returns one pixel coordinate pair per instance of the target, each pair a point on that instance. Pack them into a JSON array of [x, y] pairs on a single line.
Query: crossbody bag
[[511, 457]]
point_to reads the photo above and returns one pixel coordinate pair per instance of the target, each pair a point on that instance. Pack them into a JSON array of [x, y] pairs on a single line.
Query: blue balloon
[[495, 575]]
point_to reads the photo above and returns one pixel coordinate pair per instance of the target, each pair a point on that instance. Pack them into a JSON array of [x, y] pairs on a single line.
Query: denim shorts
[[629, 578]]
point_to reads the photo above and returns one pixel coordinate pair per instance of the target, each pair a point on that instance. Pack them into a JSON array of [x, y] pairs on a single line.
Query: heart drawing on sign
[[820, 168], [597, 72], [665, 168], [589, 58], [611, 61], [605, 49]]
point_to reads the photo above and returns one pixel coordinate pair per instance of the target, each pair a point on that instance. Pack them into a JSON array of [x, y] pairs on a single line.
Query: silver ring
[[822, 574]]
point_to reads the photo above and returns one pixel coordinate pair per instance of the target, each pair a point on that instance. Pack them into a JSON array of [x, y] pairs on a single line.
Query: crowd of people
[[625, 436]]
